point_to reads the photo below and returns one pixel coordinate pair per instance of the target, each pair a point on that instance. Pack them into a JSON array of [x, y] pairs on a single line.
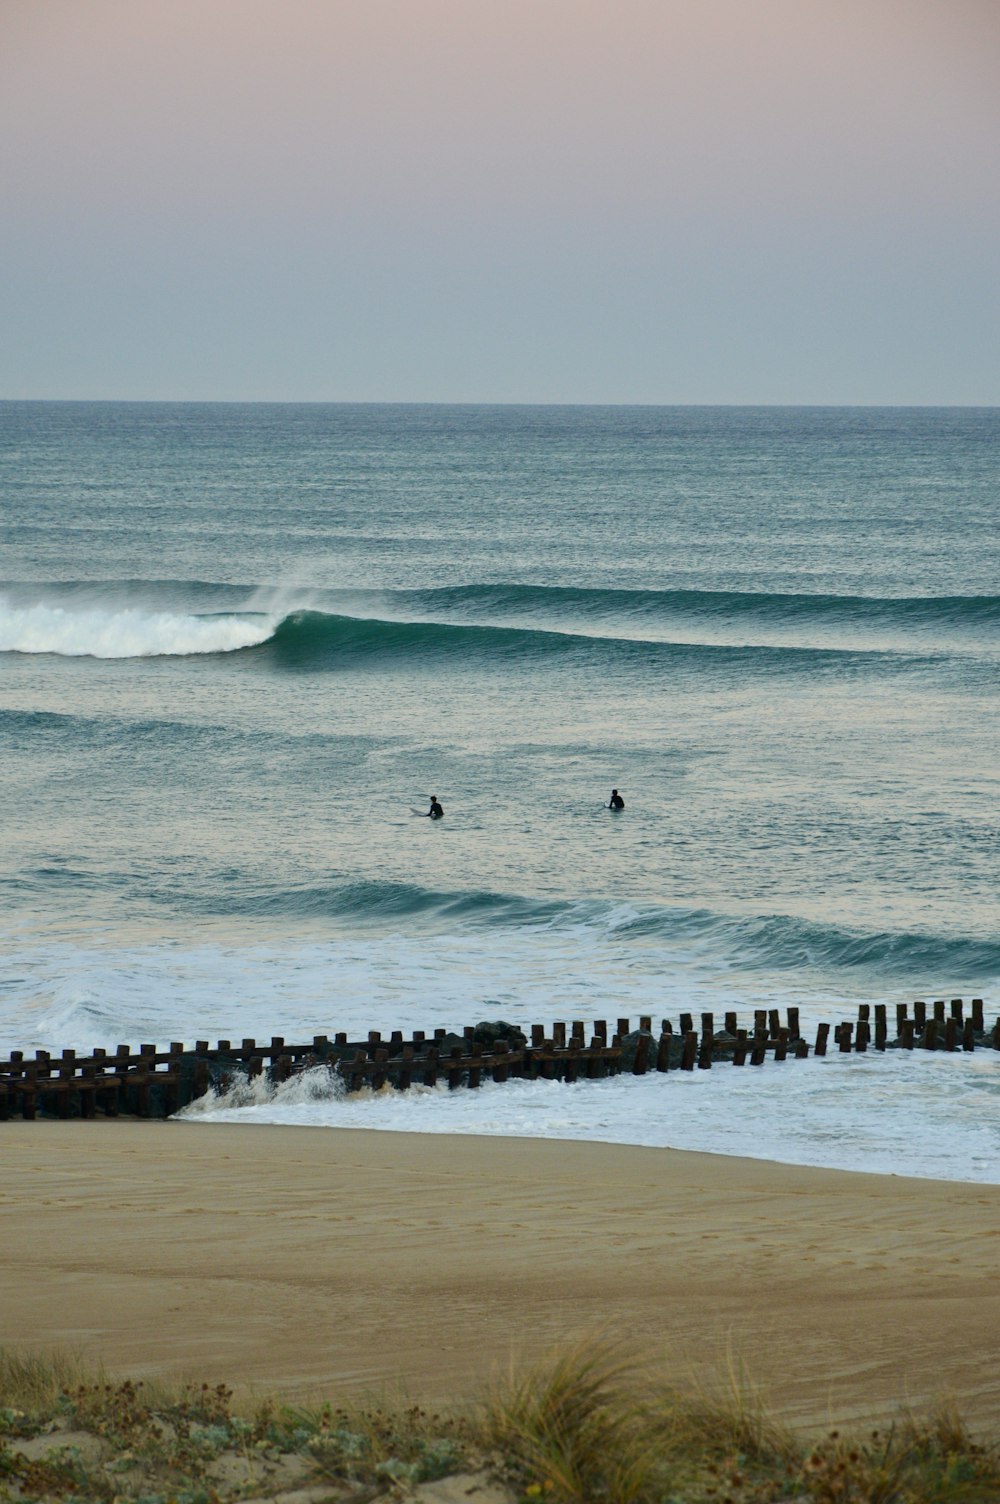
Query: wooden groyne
[[151, 1082]]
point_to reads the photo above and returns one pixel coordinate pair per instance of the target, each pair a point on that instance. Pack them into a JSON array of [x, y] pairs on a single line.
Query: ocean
[[241, 644]]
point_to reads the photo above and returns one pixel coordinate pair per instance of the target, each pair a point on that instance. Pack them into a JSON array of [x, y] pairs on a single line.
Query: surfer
[[616, 801], [435, 812]]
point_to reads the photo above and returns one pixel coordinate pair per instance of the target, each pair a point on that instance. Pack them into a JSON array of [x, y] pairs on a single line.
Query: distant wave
[[773, 608], [316, 627], [321, 640]]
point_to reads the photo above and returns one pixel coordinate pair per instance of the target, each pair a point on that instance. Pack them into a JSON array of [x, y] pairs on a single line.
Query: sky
[[662, 201]]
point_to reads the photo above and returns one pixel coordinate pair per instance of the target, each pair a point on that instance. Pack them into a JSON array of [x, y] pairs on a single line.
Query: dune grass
[[584, 1425]]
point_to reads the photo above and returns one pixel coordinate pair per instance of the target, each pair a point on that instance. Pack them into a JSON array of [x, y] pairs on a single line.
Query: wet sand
[[318, 1260]]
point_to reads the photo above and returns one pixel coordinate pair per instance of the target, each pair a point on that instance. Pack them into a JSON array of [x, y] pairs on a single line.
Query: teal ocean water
[[239, 645]]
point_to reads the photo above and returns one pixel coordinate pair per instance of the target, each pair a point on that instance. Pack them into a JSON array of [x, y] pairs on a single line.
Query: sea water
[[241, 644]]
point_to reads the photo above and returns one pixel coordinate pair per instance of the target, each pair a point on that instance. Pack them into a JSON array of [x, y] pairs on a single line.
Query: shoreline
[[611, 1143], [360, 1260]]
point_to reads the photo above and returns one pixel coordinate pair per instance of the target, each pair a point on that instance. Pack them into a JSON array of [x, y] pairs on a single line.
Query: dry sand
[[321, 1260]]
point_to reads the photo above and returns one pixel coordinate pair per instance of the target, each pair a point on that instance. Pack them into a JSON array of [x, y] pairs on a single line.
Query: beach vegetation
[[584, 1425]]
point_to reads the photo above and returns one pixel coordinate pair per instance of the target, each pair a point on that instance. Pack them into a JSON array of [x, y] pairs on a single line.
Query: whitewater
[[239, 644]]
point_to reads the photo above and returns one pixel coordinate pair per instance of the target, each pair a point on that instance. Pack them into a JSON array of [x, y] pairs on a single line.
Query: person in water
[[616, 801], [435, 812]]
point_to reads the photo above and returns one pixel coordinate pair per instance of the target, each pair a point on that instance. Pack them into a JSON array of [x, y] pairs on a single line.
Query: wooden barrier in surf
[[151, 1082]]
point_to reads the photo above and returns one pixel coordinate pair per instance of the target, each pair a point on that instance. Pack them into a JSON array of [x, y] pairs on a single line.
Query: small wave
[[761, 942], [125, 633]]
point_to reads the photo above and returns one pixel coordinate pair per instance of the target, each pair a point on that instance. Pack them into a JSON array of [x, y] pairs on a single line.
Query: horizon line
[[472, 403]]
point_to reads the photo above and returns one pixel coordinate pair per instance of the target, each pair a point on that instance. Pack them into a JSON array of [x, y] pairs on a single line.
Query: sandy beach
[[307, 1260]]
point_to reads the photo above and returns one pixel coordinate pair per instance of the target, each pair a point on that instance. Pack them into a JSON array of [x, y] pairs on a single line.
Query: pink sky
[[708, 201]]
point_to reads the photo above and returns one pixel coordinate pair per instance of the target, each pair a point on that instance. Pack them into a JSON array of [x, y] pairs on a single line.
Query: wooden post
[[29, 1091], [431, 1066], [794, 1032], [355, 1072], [601, 1031], [646, 1023], [862, 1037], [900, 1019], [781, 1045], [686, 1023], [732, 1024], [559, 1036], [969, 1036], [759, 1050], [950, 1032], [822, 1035], [977, 1015], [760, 1020], [537, 1036], [881, 1026], [939, 1010], [930, 1034], [956, 1008], [705, 1052], [996, 1035], [501, 1068], [919, 1016], [690, 1050], [801, 1049], [476, 1071], [641, 1055], [623, 1028], [906, 1037], [864, 1013], [578, 1032], [773, 1022], [406, 1068], [740, 1051], [708, 1025], [663, 1053]]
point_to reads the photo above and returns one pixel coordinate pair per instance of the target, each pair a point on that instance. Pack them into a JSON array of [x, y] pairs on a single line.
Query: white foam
[[897, 1113], [127, 633]]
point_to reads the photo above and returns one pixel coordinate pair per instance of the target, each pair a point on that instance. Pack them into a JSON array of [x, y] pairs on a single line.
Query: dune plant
[[572, 1428]]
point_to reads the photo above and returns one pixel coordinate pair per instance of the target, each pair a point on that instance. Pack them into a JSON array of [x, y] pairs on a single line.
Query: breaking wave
[[92, 632]]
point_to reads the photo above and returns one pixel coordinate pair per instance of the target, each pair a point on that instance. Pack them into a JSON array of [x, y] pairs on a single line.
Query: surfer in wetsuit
[[435, 812], [616, 801]]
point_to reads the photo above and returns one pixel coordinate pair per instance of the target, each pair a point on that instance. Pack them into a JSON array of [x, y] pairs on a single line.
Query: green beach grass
[[583, 1425]]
